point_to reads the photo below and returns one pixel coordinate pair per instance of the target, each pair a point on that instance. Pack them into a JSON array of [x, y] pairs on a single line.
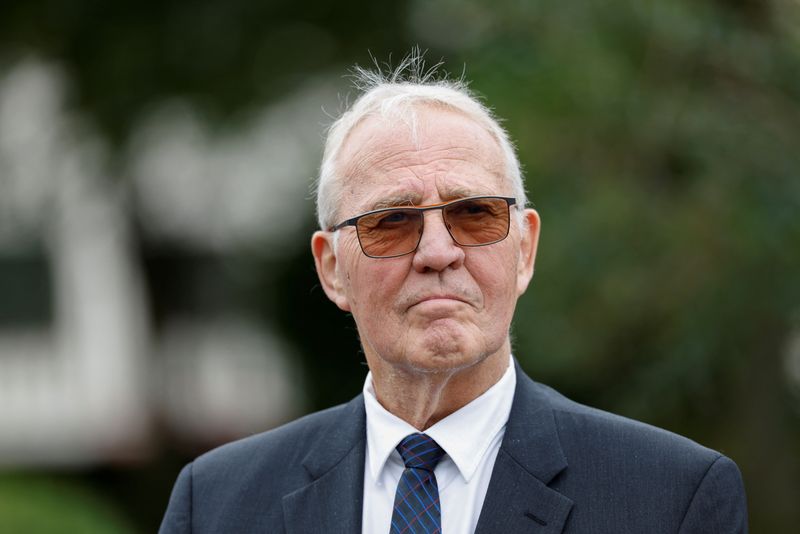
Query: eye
[[390, 219], [471, 208], [394, 217], [475, 208]]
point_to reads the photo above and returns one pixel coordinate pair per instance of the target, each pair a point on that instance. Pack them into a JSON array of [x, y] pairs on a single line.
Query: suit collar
[[332, 501], [518, 498], [531, 437], [531, 421], [345, 432]]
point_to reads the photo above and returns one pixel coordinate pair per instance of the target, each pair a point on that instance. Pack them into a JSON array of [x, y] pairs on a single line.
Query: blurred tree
[[661, 143], [36, 505], [223, 57]]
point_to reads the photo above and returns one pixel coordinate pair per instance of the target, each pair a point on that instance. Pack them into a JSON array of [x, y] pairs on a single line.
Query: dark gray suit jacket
[[562, 468]]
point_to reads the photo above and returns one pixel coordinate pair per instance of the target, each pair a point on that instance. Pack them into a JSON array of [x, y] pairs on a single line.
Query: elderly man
[[428, 243]]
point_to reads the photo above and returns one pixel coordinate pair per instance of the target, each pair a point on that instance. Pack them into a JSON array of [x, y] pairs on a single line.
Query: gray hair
[[395, 94]]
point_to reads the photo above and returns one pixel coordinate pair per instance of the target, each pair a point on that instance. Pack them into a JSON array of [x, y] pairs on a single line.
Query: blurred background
[[157, 291]]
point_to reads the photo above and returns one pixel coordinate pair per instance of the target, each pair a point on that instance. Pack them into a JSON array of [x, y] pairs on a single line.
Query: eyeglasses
[[471, 222]]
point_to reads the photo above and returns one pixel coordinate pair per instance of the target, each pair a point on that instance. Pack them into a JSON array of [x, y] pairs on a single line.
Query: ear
[[325, 260], [528, 244]]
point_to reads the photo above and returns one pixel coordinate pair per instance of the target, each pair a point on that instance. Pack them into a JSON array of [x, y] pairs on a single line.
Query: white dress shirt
[[470, 438]]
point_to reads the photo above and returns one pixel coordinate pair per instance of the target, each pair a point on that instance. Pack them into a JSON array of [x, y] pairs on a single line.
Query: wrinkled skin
[[434, 323]]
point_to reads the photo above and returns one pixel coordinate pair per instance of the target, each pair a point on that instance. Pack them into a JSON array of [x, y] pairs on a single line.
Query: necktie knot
[[420, 451]]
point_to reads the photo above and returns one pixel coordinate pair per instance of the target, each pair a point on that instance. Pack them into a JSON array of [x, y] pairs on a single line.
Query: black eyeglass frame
[[353, 221]]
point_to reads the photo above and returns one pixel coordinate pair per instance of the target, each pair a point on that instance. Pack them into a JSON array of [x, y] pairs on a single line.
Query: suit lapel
[[332, 502], [518, 498]]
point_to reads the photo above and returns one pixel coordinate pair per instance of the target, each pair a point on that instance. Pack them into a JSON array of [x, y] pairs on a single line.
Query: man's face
[[443, 307]]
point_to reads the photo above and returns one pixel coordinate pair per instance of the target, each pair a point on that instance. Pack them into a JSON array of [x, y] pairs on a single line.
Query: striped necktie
[[416, 502]]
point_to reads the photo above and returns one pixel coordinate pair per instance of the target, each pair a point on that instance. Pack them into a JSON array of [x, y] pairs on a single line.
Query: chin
[[440, 359]]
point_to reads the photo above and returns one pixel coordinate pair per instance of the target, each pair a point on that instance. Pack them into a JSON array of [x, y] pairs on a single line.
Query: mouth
[[439, 299]]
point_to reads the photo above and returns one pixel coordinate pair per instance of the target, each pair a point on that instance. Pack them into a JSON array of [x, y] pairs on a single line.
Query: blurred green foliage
[[661, 145], [662, 148], [38, 505]]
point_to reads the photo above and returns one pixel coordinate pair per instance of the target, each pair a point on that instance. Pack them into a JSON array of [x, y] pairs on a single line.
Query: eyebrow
[[411, 199], [407, 199], [462, 192]]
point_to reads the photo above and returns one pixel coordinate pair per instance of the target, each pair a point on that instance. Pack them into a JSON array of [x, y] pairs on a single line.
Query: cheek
[[497, 284], [347, 265], [372, 285]]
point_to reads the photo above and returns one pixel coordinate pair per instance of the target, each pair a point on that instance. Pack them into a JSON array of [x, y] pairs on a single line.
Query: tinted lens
[[390, 232], [478, 221]]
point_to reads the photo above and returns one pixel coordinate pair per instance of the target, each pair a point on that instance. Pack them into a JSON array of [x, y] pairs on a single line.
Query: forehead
[[429, 155]]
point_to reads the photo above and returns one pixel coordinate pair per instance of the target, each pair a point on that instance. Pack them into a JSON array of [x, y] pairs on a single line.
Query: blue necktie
[[416, 502]]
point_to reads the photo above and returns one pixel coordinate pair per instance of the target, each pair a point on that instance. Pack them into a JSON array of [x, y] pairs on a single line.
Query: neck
[[422, 398]]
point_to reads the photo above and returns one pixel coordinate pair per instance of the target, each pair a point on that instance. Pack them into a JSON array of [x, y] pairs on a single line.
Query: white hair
[[396, 95]]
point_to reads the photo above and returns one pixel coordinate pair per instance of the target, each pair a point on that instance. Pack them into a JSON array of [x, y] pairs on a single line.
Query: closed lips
[[439, 297]]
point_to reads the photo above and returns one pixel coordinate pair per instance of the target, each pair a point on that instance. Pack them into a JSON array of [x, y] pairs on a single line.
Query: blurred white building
[[90, 380]]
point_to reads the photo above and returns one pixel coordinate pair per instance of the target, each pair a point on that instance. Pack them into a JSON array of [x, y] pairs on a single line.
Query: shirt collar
[[465, 435]]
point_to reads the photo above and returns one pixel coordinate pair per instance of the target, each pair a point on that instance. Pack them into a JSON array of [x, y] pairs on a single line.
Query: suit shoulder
[[613, 464], [283, 445], [239, 487], [583, 426]]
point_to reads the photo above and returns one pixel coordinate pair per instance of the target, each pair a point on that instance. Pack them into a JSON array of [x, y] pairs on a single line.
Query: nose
[[436, 250]]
